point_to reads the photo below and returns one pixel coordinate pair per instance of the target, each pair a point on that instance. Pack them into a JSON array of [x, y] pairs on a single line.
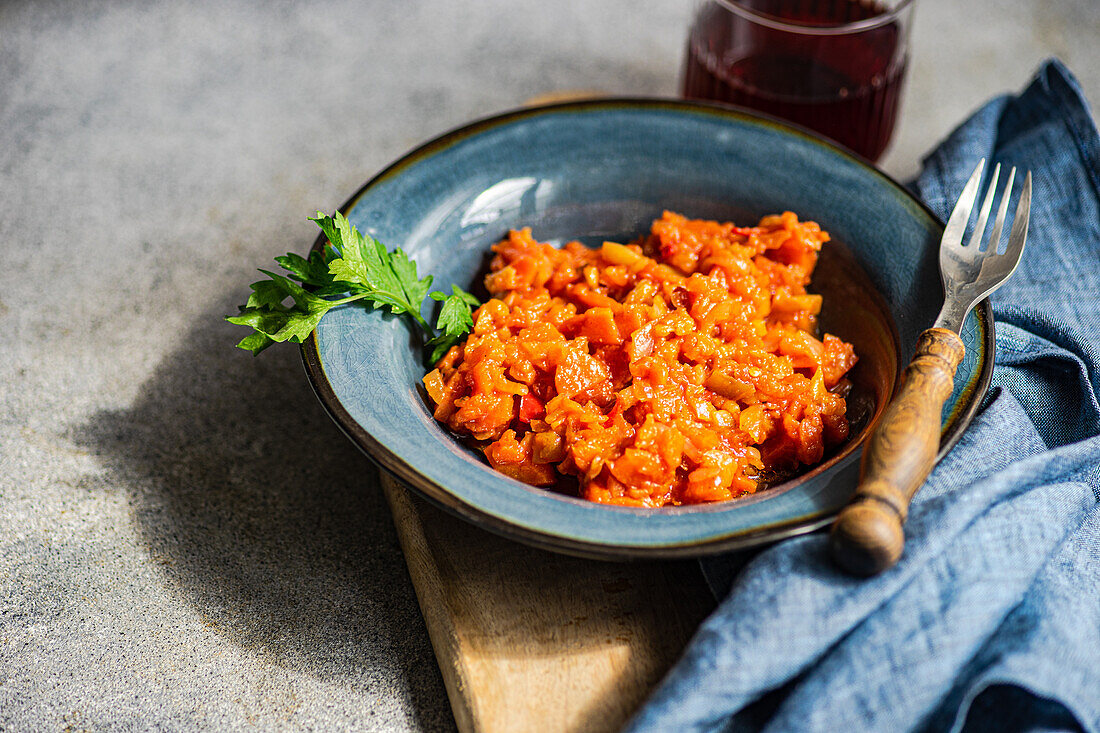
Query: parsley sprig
[[350, 267]]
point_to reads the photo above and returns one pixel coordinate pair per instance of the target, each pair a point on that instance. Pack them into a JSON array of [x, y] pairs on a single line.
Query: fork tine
[[1002, 212], [960, 215], [983, 215], [1018, 235]]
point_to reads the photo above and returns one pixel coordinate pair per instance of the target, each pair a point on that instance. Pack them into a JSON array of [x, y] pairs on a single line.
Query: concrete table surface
[[186, 541]]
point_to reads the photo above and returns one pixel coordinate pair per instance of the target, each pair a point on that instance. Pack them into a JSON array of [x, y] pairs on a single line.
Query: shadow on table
[[265, 518]]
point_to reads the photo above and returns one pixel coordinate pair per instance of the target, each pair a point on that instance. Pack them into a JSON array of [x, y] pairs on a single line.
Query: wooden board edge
[[430, 594]]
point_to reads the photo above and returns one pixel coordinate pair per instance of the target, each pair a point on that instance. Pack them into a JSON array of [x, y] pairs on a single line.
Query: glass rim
[[856, 26]]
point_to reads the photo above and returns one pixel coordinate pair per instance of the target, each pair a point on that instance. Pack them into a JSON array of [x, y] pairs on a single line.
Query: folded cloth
[[991, 620]]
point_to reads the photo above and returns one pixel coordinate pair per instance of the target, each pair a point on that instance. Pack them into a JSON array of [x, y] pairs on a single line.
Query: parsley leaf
[[313, 271], [455, 320], [267, 315], [350, 267], [385, 278], [455, 317], [439, 346], [266, 294]]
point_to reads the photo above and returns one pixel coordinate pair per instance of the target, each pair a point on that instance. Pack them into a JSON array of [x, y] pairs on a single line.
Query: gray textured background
[[185, 540]]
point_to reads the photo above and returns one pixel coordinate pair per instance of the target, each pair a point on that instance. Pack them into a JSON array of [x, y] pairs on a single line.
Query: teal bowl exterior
[[597, 170]]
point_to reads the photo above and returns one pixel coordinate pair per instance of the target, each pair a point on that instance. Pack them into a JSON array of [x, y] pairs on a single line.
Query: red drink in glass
[[834, 66]]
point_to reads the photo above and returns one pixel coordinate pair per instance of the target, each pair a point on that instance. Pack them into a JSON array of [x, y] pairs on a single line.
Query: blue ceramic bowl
[[604, 170]]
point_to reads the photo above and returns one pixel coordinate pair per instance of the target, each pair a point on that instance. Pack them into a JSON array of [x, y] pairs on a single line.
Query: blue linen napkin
[[991, 620]]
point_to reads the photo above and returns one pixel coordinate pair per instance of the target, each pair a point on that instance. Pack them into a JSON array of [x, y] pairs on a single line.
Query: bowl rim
[[967, 406]]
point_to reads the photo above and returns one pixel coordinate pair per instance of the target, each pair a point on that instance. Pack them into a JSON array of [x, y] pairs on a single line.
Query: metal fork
[[867, 536]]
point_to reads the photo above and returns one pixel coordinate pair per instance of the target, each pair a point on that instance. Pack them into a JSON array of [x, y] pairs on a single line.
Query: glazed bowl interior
[[596, 171]]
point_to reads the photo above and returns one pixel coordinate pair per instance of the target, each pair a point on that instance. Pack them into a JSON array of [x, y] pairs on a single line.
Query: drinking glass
[[834, 66]]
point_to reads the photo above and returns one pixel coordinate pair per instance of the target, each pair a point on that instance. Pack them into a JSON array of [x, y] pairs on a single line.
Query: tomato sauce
[[682, 368]]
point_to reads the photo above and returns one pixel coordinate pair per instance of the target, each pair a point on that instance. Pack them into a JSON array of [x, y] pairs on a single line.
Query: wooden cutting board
[[528, 640]]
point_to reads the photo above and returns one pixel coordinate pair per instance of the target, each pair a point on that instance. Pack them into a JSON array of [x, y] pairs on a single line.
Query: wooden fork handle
[[867, 536]]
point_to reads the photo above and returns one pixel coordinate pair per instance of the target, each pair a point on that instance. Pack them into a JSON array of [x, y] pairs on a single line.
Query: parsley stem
[[350, 298], [424, 326]]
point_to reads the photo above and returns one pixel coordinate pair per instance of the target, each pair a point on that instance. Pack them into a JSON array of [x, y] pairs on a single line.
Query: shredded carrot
[[680, 369]]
